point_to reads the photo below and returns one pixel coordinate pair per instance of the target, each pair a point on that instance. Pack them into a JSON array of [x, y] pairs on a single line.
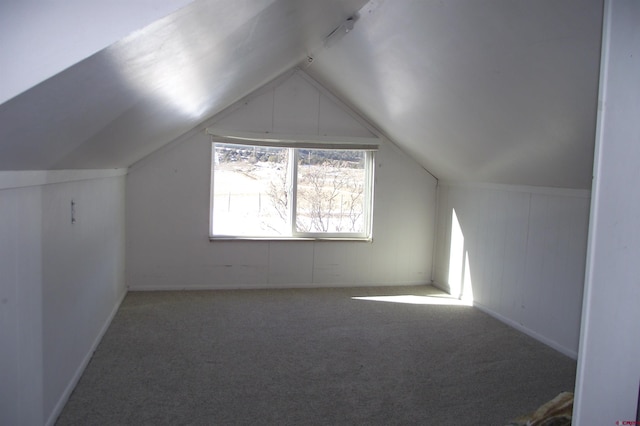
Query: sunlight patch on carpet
[[417, 300]]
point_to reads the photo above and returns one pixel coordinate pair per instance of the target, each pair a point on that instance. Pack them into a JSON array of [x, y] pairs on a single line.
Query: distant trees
[[330, 198], [278, 189], [330, 186]]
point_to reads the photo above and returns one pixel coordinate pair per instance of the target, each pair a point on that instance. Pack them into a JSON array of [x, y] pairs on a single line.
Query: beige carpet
[[317, 356]]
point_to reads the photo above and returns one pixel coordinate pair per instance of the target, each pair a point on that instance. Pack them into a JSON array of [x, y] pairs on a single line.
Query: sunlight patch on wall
[[467, 287], [459, 280], [456, 257]]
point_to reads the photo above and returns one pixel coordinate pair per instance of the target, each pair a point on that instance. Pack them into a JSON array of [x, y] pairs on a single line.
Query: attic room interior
[[493, 145]]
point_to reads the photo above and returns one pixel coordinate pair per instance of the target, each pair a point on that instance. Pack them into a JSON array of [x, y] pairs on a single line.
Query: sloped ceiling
[[124, 102], [501, 91], [42, 38]]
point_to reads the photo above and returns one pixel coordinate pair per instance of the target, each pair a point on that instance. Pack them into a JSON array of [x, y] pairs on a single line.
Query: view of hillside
[[253, 191]]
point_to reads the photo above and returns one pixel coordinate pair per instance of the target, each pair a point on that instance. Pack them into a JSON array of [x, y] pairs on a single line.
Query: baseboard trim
[[444, 288], [539, 337], [511, 323], [273, 286], [57, 410]]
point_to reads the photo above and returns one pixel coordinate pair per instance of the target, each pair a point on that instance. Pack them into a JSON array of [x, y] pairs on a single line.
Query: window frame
[[361, 144]]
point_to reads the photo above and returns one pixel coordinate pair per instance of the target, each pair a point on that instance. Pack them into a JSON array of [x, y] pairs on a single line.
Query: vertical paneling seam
[[447, 238], [526, 253], [504, 254], [435, 232], [318, 118], [268, 263], [313, 262], [273, 108]]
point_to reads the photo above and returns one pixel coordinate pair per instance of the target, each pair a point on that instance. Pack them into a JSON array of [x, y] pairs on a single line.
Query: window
[[275, 192]]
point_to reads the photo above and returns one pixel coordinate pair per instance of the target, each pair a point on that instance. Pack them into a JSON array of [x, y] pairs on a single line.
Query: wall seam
[[526, 252]]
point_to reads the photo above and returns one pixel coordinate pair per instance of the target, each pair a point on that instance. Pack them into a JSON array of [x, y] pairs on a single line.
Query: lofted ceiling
[[42, 38], [501, 91], [136, 95]]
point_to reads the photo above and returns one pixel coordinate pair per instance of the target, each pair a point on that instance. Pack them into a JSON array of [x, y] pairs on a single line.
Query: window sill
[[273, 239]]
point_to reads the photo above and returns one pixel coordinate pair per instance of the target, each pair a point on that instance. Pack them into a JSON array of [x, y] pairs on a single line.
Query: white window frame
[[369, 145]]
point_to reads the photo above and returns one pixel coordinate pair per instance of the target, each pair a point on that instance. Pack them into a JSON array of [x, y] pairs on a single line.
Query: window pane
[[250, 190], [331, 191]]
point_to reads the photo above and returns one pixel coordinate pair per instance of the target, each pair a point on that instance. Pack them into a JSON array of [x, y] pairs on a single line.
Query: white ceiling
[[42, 38], [497, 91], [131, 98], [500, 91]]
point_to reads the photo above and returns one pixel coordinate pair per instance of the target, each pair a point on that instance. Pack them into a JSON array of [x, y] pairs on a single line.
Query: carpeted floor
[[312, 356]]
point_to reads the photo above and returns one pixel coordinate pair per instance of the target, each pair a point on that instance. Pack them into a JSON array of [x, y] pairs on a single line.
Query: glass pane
[[250, 190], [331, 191]]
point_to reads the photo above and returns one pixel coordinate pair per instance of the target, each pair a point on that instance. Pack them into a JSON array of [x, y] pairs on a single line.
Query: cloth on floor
[[556, 412]]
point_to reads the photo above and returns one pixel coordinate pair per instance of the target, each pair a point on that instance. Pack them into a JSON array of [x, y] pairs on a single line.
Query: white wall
[[21, 373], [526, 251], [168, 209], [609, 359], [60, 283]]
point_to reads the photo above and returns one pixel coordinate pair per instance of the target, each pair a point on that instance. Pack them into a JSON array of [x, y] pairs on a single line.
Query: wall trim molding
[[539, 337], [290, 286], [25, 178], [544, 190], [551, 343]]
